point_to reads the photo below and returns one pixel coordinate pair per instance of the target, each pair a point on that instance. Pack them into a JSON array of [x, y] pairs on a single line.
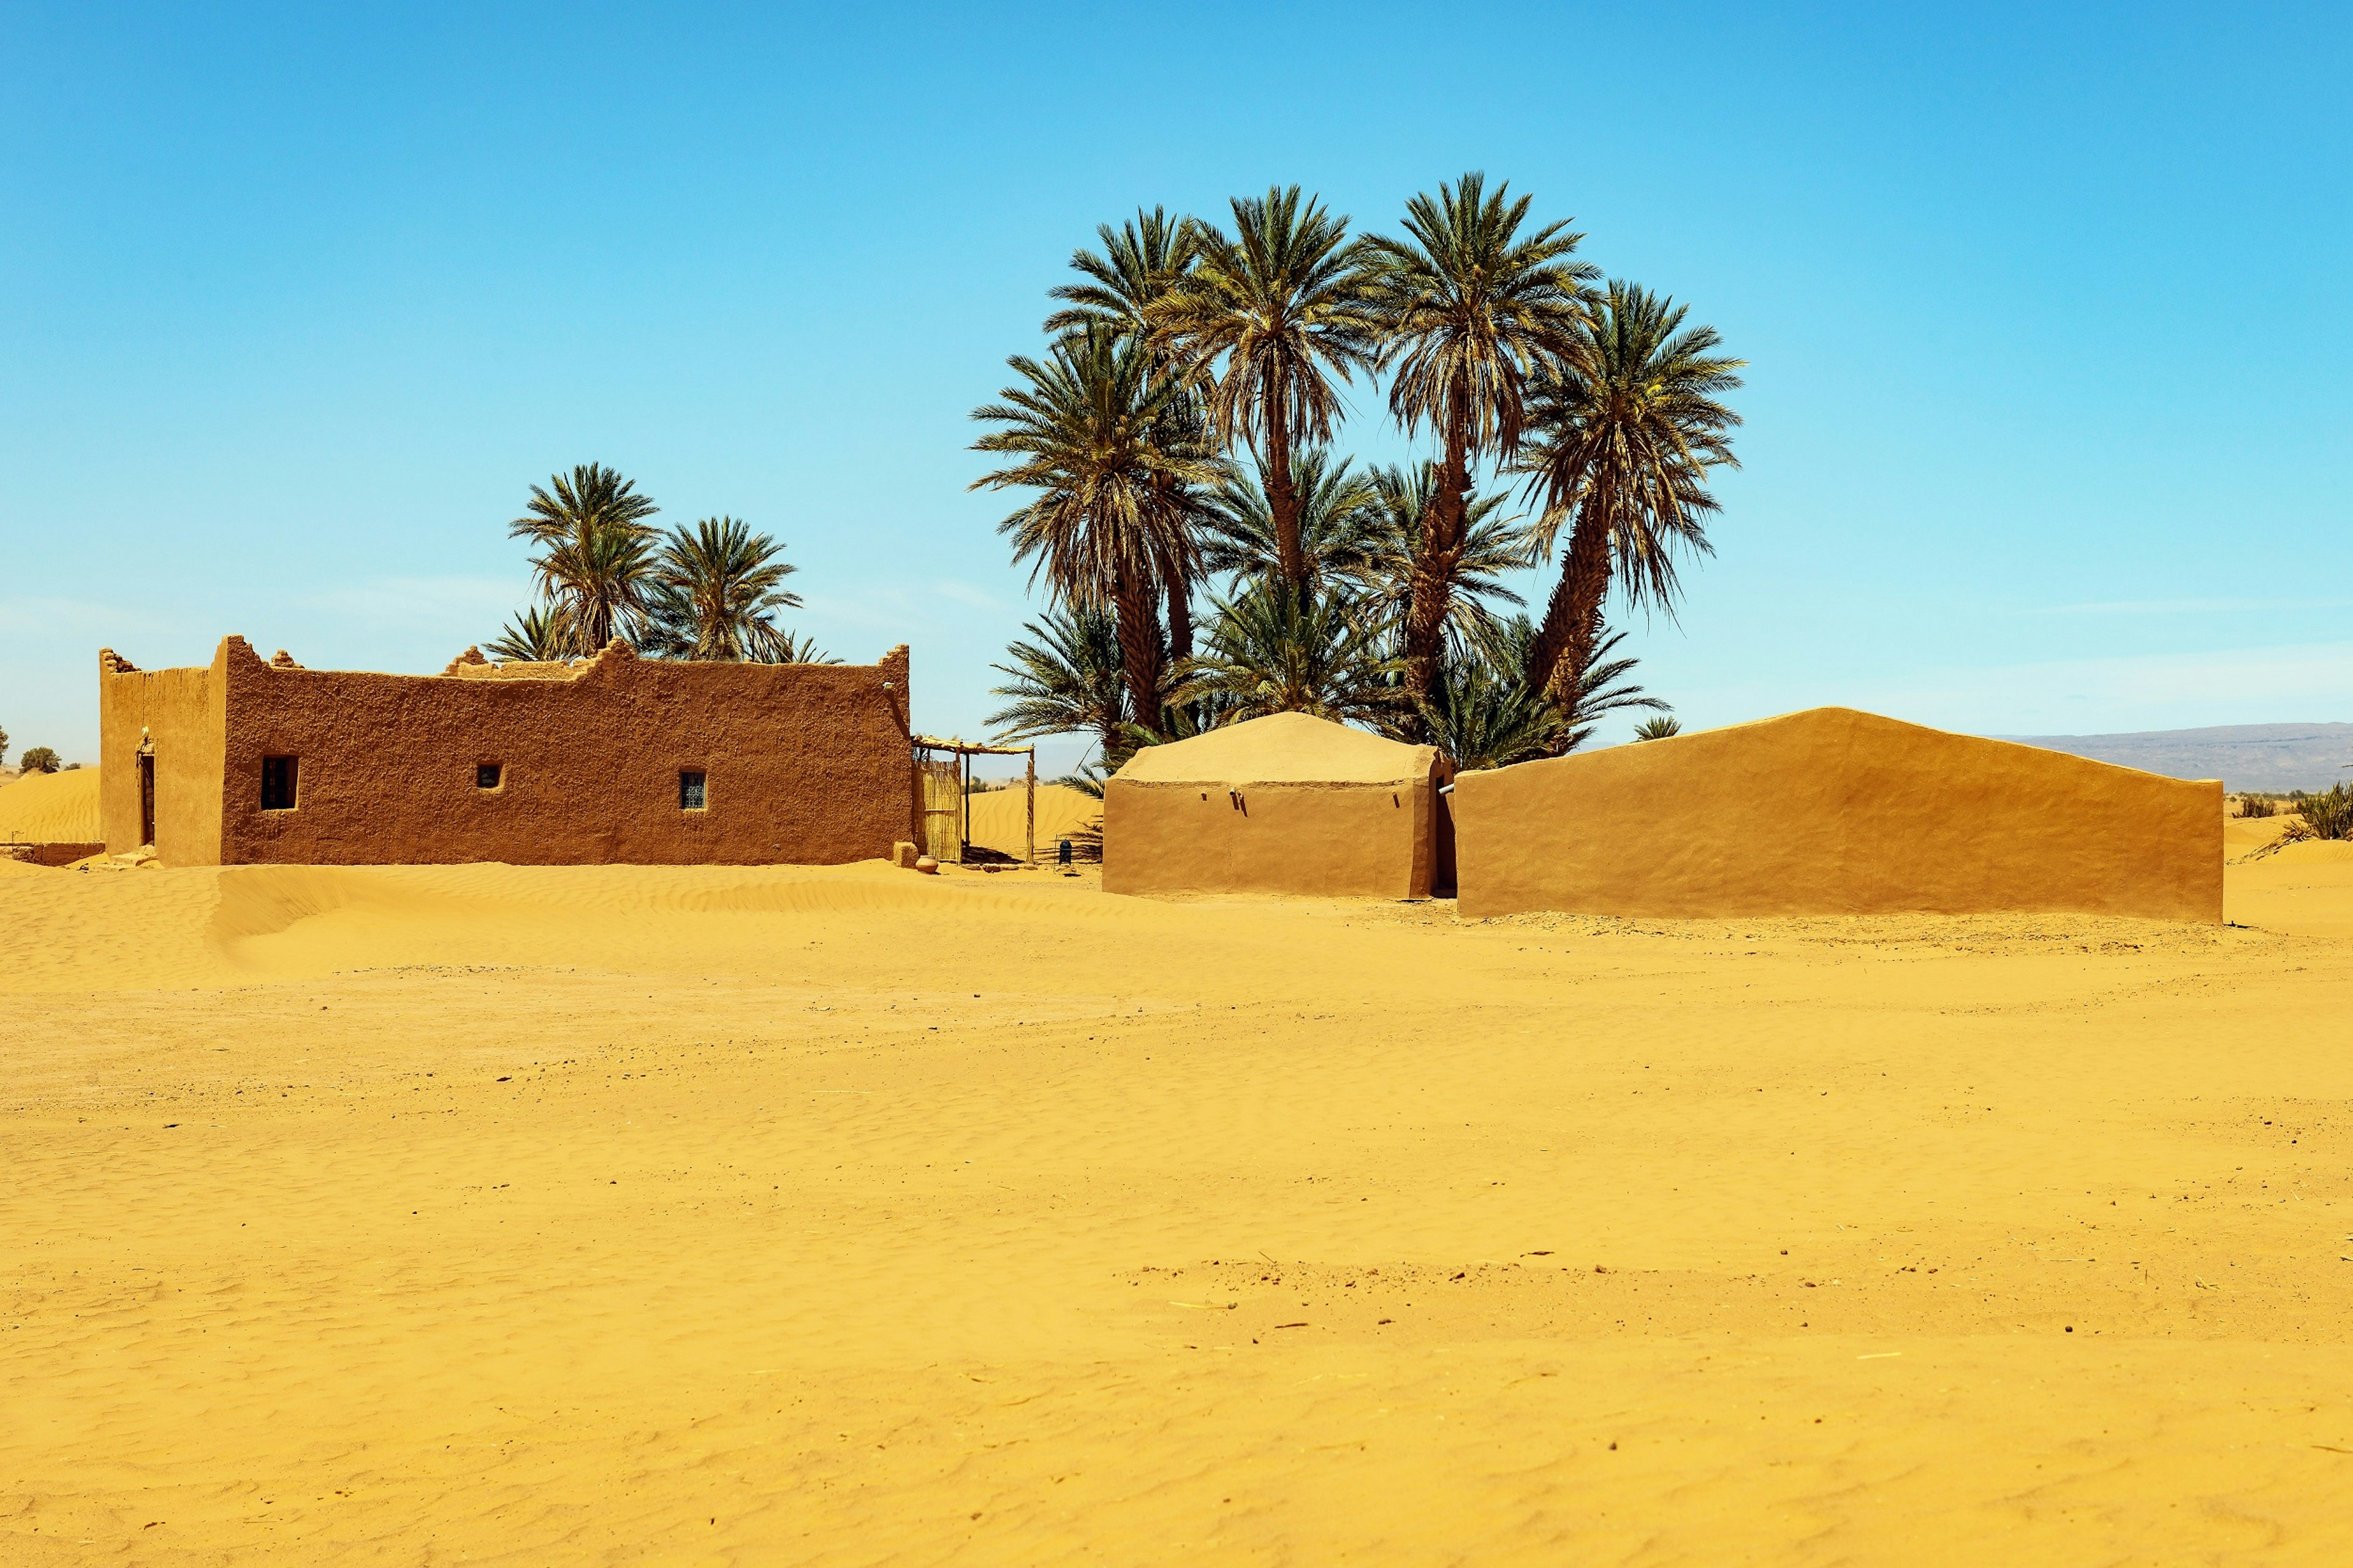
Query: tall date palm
[[1471, 311], [1271, 318], [1141, 262], [1083, 428], [1623, 434]]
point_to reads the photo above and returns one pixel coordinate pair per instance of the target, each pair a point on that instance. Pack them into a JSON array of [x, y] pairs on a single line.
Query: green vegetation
[[605, 574], [1179, 436], [2258, 806], [2328, 815], [37, 760], [1658, 727]]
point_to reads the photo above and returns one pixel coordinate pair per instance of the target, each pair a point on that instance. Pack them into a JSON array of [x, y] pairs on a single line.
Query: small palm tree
[[1338, 518], [538, 634], [1624, 434], [1269, 318], [1470, 309], [720, 588], [1492, 543], [1585, 696], [1486, 715], [1658, 727], [1069, 681], [790, 649], [1085, 429], [1276, 650]]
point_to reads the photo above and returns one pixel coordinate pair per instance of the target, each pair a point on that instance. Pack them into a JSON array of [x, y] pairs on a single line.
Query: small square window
[[486, 776], [689, 789], [277, 782]]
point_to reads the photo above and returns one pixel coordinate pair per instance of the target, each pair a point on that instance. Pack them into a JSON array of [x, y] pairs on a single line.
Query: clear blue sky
[[2046, 307]]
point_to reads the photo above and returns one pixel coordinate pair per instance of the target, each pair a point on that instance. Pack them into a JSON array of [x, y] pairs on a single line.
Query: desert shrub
[[38, 759], [2257, 806], [2329, 815], [1658, 728]]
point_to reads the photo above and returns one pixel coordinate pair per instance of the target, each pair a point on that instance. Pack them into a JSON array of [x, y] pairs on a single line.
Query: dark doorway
[[147, 799]]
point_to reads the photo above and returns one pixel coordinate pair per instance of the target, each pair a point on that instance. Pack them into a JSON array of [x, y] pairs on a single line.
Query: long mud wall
[[1836, 811], [803, 763]]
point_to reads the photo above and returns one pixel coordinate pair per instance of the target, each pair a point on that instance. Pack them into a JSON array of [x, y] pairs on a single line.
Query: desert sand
[[999, 818], [51, 808], [584, 1215]]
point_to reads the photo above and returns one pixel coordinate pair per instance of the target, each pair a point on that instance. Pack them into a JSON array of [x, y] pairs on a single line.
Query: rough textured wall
[[806, 763], [1322, 840], [183, 711], [1836, 811]]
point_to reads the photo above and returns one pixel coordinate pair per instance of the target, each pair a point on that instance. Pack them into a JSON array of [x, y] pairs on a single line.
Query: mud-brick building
[[613, 759]]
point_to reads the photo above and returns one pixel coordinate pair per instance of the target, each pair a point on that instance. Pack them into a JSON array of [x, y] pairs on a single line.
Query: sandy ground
[[552, 1217], [42, 808], [999, 818]]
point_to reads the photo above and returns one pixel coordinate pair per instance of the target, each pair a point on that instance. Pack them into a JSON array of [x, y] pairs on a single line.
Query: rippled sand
[[548, 1217]]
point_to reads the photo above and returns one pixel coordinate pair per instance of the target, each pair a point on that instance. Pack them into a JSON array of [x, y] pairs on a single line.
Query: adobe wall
[[1836, 811], [184, 712], [806, 763], [1316, 840]]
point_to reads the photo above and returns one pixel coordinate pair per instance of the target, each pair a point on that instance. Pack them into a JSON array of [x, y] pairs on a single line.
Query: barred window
[[690, 796]]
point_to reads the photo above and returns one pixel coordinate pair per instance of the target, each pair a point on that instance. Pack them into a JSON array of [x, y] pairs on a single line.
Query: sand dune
[[51, 808], [997, 818], [572, 1215]]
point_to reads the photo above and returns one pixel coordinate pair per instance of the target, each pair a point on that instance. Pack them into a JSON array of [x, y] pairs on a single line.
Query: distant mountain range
[[2243, 756]]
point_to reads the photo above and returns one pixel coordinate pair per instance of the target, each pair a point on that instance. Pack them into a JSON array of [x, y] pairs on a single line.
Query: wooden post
[[1030, 833]]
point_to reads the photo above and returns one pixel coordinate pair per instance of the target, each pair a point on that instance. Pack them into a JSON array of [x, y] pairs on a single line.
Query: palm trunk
[[1180, 618], [1435, 561], [1281, 495], [1564, 644], [1139, 645]]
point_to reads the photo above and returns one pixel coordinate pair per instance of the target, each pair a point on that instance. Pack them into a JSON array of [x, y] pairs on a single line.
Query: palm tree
[[1141, 262], [538, 634], [1486, 715], [1069, 681], [1276, 650], [1470, 309], [595, 553], [1583, 697], [1624, 433], [1268, 317], [1492, 542], [790, 649], [720, 588], [591, 496], [1338, 519], [602, 580], [1658, 727], [1084, 429]]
